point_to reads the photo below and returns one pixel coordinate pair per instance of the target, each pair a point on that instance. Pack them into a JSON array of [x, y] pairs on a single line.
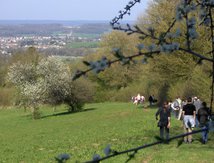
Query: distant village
[[9, 44]]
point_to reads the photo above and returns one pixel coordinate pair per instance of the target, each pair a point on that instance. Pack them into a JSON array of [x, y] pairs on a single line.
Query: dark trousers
[[204, 133], [164, 129]]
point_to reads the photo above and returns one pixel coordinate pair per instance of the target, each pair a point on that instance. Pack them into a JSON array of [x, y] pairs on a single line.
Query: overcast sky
[[67, 9]]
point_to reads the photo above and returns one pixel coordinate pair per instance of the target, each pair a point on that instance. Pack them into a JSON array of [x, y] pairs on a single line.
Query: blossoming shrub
[[47, 82]]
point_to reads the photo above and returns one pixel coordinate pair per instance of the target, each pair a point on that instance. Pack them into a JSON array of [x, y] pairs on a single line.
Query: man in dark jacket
[[151, 100], [164, 122], [203, 114]]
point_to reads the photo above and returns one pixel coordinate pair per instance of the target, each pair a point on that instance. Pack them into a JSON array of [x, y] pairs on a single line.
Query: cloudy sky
[[67, 9]]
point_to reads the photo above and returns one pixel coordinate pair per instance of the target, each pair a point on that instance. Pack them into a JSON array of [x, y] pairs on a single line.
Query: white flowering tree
[[57, 85], [25, 79], [55, 78], [46, 82]]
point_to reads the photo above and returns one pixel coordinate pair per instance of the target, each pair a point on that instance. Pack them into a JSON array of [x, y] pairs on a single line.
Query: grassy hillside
[[122, 125], [82, 45]]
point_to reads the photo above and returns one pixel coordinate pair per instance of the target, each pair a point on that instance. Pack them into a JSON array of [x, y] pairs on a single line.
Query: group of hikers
[[192, 111], [138, 99], [141, 99]]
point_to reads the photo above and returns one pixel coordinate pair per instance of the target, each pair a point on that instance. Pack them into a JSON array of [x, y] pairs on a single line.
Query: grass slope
[[92, 44], [122, 125]]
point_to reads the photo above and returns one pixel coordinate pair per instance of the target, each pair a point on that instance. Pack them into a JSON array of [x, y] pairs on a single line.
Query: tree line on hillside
[[14, 30], [185, 39], [31, 29], [95, 28]]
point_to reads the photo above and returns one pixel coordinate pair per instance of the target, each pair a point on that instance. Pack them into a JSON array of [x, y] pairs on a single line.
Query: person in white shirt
[[137, 99], [197, 102], [177, 107]]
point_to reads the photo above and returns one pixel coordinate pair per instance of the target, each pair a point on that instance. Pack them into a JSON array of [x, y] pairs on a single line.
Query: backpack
[[176, 104]]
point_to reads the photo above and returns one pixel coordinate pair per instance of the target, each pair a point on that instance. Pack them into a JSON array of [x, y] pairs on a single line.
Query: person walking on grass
[[164, 121], [177, 108], [189, 112], [197, 102], [137, 99], [203, 118], [151, 100]]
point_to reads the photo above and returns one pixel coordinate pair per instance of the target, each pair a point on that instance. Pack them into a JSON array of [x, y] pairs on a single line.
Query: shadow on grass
[[173, 132], [180, 142], [144, 106], [158, 138], [152, 106], [67, 113]]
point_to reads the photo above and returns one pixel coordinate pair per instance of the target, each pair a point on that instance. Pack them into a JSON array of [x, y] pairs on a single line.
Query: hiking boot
[[185, 142], [203, 142]]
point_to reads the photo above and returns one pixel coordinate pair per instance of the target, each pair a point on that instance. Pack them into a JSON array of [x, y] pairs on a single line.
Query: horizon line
[[63, 22], [57, 20]]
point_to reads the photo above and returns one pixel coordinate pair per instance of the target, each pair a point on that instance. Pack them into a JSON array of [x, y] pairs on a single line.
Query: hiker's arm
[[168, 126], [157, 113]]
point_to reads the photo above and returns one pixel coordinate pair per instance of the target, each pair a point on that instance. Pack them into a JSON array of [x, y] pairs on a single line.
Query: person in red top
[[189, 113]]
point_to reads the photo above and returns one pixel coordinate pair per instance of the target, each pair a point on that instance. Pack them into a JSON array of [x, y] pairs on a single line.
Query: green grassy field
[[86, 35], [82, 45], [82, 134]]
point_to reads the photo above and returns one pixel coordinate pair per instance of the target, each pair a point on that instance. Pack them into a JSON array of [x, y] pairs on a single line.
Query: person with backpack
[[150, 100], [197, 102], [176, 107], [203, 118], [164, 121]]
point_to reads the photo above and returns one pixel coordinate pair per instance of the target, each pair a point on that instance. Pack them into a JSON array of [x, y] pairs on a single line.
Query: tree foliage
[[46, 82], [173, 41]]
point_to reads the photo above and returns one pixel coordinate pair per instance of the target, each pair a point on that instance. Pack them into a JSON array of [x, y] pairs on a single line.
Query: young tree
[[47, 82]]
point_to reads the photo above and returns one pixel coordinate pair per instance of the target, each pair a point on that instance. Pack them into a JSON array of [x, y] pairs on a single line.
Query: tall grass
[[82, 134]]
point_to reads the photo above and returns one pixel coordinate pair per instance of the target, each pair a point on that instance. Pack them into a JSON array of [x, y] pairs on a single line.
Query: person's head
[[165, 104], [189, 99], [204, 104]]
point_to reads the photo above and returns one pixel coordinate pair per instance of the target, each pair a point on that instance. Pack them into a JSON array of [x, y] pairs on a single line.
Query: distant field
[[122, 125], [82, 45], [87, 35]]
